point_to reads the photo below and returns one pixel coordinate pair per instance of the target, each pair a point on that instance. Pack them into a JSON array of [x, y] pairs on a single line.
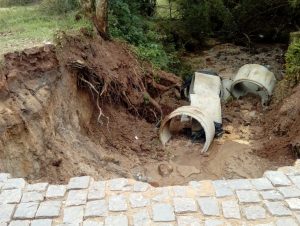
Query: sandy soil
[[49, 127]]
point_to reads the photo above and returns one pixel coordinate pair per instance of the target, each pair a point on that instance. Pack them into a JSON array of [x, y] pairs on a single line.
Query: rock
[[187, 171], [165, 169]]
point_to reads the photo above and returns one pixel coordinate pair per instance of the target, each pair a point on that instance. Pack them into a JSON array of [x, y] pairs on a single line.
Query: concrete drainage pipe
[[205, 108], [255, 79], [195, 113]]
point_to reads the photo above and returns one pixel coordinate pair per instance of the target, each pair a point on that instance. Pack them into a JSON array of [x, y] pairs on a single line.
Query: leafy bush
[[7, 3], [293, 63], [59, 6]]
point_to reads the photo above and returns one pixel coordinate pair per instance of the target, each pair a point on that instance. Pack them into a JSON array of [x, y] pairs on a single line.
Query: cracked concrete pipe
[[205, 108], [255, 79]]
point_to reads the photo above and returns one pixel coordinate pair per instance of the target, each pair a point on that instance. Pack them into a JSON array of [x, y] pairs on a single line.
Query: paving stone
[[138, 200], [162, 196], [262, 184], [163, 212], [290, 192], [184, 205], [15, 183], [209, 206], [277, 178], [4, 177], [117, 203], [10, 196], [222, 188], [248, 196], [79, 182], [188, 221], [286, 222], [49, 209], [214, 222], [56, 191], [179, 191], [73, 214], [277, 208], [41, 222], [240, 184], [141, 218], [26, 210], [293, 203], [271, 195], [296, 180], [267, 224], [116, 220], [195, 184], [40, 187], [140, 186], [92, 223], [32, 196], [254, 212], [117, 184], [6, 212], [96, 190], [20, 223], [231, 209], [76, 198], [96, 208], [206, 189], [3, 224]]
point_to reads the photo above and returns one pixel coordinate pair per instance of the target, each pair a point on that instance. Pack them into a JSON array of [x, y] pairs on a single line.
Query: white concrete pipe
[[205, 108], [255, 79]]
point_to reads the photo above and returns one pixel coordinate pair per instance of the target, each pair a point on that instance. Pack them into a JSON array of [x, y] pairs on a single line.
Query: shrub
[[8, 3], [59, 6], [293, 63]]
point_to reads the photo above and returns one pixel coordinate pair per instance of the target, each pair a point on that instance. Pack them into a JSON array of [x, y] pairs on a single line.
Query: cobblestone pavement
[[273, 199]]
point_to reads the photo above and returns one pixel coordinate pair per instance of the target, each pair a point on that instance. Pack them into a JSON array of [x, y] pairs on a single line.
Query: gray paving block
[[10, 196], [248, 196], [289, 192], [19, 223], [56, 191], [184, 205], [163, 212], [209, 206], [32, 196], [117, 184], [141, 218], [14, 183], [40, 187], [77, 197], [6, 212], [179, 191], [286, 222], [96, 190], [271, 195], [96, 208], [26, 210], [254, 212], [240, 184], [79, 182], [73, 214], [4, 177], [92, 223], [277, 208], [222, 188], [262, 184], [188, 221], [140, 186], [117, 203], [49, 209], [138, 200], [293, 203], [117, 220], [277, 178], [214, 222], [41, 222], [231, 209], [295, 180]]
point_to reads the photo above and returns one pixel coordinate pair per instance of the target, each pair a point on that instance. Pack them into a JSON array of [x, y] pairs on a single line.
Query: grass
[[26, 26]]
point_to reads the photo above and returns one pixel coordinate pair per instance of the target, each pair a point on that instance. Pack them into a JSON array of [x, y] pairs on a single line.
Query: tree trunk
[[101, 17]]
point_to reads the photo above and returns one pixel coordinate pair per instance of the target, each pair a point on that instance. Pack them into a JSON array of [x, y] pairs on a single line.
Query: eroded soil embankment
[[54, 124]]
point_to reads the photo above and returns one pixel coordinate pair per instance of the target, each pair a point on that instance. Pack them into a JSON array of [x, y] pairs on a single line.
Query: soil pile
[[88, 107]]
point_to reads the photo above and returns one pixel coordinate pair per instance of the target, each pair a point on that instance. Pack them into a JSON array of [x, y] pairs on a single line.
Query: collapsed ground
[[88, 107]]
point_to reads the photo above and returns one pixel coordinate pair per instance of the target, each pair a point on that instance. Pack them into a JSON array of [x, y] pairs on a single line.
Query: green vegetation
[[293, 63]]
